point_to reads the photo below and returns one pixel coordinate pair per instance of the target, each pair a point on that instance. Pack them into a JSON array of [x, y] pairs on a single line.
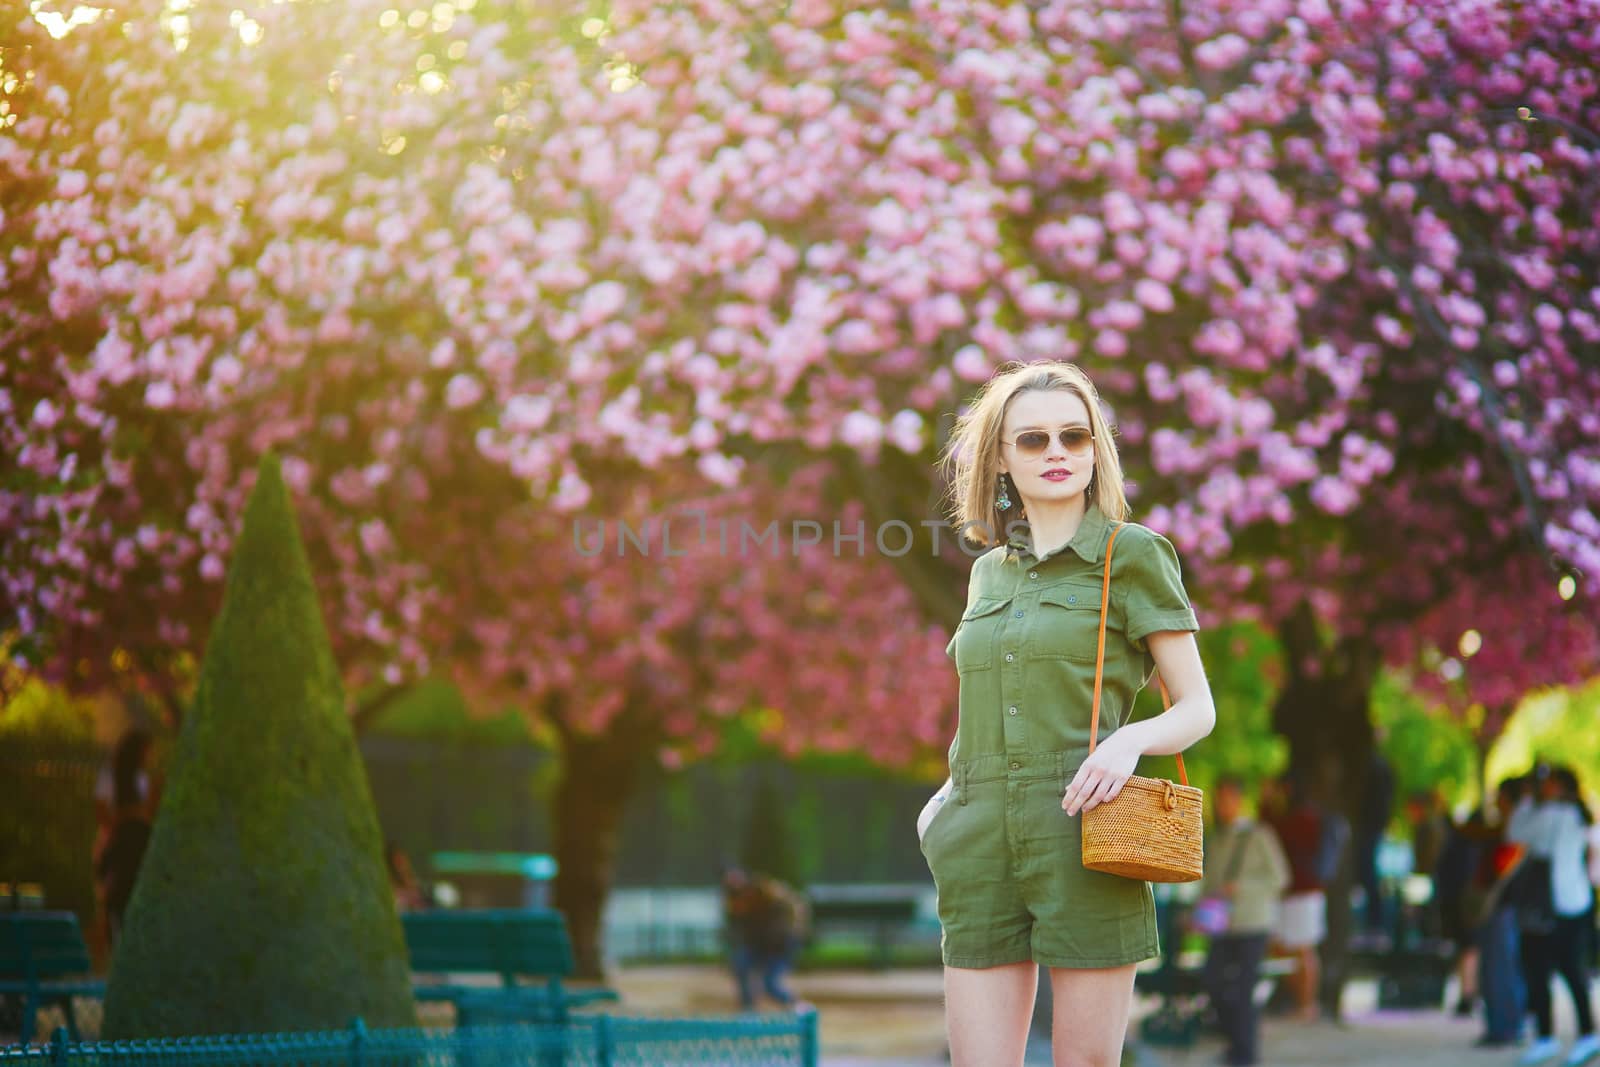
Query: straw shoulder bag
[[1153, 829]]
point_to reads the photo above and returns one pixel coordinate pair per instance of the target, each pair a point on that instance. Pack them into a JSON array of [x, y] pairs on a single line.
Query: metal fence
[[585, 1041]]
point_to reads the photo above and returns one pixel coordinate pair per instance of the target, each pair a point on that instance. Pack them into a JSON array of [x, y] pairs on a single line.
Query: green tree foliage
[[1242, 665], [435, 709], [1558, 725], [48, 758], [263, 903], [1431, 748]]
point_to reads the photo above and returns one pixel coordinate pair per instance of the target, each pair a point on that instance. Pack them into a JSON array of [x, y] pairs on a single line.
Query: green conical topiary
[[263, 902]]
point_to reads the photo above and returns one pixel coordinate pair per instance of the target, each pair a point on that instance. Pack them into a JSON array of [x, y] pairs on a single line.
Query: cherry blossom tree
[[1333, 266], [637, 631], [1499, 640]]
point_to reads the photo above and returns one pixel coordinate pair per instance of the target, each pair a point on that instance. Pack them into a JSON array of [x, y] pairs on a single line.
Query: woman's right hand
[[931, 808]]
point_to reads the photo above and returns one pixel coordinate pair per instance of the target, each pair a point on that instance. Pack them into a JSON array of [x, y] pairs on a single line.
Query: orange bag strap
[[1100, 660]]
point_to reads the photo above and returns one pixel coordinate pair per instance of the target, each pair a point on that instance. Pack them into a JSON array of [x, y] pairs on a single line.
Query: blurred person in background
[[1302, 916], [765, 921], [1453, 873], [1377, 804], [1567, 781], [1430, 829], [127, 767], [1493, 917], [1240, 890], [408, 892], [126, 796], [1555, 837]]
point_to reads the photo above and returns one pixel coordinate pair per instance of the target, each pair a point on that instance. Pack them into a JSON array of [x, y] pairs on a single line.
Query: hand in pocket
[[929, 810]]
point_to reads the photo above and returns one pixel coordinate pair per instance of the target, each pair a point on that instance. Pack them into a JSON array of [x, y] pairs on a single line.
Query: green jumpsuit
[[1004, 857]]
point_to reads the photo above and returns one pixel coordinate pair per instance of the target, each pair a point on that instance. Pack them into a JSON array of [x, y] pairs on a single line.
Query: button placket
[[1014, 726]]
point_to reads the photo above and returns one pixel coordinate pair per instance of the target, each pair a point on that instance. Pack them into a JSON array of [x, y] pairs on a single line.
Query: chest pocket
[[1069, 624], [974, 639]]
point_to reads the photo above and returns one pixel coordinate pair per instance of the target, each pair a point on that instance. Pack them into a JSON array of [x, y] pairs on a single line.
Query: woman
[[1303, 915], [1035, 474], [1554, 832]]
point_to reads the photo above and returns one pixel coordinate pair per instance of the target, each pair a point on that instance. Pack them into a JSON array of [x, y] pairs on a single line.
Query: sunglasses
[[1031, 444]]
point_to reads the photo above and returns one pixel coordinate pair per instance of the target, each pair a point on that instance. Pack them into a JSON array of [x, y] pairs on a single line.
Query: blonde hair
[[970, 462]]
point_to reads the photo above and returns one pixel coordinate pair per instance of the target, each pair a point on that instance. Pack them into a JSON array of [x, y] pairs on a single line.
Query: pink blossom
[[1158, 381], [600, 302], [1221, 52], [375, 538], [1122, 315], [720, 469], [463, 391], [905, 431], [1334, 495], [860, 431], [45, 415], [572, 492], [71, 184], [227, 372], [856, 338], [296, 474], [971, 364], [1153, 295], [1110, 343], [703, 435], [1219, 337]]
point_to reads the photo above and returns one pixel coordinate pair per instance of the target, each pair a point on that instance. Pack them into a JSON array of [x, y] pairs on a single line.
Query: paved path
[[896, 1017]]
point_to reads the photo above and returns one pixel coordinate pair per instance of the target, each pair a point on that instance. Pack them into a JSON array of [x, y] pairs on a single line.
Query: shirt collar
[[1089, 542]]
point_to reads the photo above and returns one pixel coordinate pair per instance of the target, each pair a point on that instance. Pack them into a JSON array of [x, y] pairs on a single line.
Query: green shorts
[[1011, 882]]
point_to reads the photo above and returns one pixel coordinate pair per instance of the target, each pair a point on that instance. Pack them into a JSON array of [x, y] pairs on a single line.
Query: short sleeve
[[1154, 598]]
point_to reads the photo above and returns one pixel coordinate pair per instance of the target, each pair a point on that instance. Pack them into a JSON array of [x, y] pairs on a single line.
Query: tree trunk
[[1483, 740], [598, 778], [1324, 711]]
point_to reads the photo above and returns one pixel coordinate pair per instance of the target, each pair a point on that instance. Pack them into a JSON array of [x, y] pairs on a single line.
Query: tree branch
[[1428, 315], [367, 711]]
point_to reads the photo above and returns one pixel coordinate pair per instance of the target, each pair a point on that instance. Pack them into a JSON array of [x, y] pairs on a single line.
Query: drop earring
[[1004, 503]]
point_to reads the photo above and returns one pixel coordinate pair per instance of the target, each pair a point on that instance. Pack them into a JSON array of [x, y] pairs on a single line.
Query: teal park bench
[[44, 961], [509, 943]]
